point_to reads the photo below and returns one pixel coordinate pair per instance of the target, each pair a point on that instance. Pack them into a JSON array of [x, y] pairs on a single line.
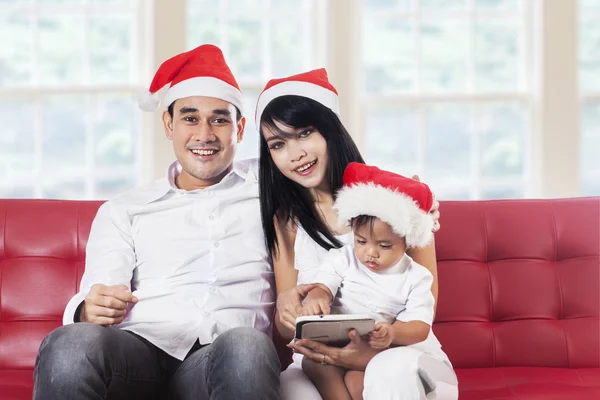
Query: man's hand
[[435, 209], [317, 302], [289, 305], [355, 356], [382, 336], [106, 305]]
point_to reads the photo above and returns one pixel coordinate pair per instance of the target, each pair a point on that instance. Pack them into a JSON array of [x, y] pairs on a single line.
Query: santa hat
[[198, 72], [312, 84], [401, 202]]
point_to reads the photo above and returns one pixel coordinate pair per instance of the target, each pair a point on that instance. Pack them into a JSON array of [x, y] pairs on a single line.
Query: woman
[[303, 153]]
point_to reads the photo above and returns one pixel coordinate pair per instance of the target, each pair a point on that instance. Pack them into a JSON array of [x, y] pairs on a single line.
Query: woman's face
[[300, 155]]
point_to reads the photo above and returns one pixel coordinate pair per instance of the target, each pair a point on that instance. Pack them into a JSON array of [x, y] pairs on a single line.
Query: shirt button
[[206, 314], [211, 217], [212, 289], [216, 244]]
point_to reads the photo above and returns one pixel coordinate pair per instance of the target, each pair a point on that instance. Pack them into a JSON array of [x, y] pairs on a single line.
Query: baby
[[375, 276]]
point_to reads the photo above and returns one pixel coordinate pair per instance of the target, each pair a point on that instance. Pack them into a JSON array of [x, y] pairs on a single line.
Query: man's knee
[[247, 348], [65, 348]]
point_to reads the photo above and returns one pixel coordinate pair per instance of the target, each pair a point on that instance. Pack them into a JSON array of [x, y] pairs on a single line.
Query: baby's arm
[[414, 323], [328, 280], [317, 301], [328, 379]]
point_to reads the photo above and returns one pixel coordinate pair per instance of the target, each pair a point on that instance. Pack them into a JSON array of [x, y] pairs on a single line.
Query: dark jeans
[[85, 361]]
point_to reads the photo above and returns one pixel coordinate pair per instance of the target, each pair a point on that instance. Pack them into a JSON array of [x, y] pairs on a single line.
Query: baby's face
[[378, 247]]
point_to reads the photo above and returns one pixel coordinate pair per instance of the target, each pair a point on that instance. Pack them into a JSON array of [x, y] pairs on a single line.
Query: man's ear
[[241, 125], [168, 124]]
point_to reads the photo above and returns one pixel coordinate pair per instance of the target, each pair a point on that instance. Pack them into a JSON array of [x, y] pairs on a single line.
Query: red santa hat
[[198, 72], [401, 202], [312, 84]]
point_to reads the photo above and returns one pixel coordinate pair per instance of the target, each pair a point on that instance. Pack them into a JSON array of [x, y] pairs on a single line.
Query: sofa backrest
[[519, 279], [519, 283], [42, 252]]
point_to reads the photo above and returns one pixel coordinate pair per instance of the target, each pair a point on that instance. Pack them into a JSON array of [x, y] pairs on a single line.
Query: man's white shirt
[[196, 260]]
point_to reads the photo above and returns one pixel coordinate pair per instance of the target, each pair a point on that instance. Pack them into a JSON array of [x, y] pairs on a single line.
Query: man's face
[[205, 133]]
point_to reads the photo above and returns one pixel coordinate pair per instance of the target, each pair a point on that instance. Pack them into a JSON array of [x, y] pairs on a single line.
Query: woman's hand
[[435, 209], [354, 356], [289, 305]]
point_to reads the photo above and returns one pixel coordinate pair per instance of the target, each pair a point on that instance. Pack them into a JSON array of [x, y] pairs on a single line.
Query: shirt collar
[[162, 187], [175, 168]]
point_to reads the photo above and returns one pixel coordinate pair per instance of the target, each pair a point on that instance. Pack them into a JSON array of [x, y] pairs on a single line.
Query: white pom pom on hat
[[148, 101]]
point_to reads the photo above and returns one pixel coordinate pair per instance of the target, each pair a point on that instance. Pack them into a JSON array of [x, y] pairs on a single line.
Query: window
[[68, 77], [261, 39], [445, 93], [589, 85]]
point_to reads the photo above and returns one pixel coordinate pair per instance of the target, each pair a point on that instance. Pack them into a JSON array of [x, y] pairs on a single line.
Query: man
[[177, 293]]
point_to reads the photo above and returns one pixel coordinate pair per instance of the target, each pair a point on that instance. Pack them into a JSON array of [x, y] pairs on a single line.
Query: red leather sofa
[[518, 305]]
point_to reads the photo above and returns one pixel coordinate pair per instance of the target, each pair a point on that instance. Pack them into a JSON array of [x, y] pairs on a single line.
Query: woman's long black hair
[[289, 200]]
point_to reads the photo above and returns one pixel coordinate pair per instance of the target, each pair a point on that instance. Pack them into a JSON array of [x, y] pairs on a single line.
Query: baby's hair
[[362, 220]]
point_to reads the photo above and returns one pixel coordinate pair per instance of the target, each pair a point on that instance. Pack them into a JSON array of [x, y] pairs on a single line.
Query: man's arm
[[110, 260]]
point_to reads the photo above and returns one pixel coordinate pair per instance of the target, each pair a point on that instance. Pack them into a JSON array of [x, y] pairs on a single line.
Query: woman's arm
[[426, 257], [286, 279]]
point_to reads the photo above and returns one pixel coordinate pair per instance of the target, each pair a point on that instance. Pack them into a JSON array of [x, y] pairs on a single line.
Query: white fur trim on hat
[[396, 209], [148, 101], [297, 88], [205, 86]]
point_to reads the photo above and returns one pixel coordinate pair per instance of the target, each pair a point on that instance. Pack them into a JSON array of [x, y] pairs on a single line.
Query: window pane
[[448, 142], [110, 49], [393, 70], [590, 149], [588, 5], [61, 50], [450, 192], [589, 55], [502, 129], [248, 4], [443, 5], [12, 191], [288, 41], [63, 121], [501, 5], [116, 131], [16, 68], [107, 188], [17, 141], [202, 29], [63, 189], [445, 56], [245, 47], [502, 193], [248, 148], [392, 139], [59, 1], [496, 56], [400, 5], [591, 184]]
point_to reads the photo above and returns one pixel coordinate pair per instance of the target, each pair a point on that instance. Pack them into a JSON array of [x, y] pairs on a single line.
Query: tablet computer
[[332, 330]]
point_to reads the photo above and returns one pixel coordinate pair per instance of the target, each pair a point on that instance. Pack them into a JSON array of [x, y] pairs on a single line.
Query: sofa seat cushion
[[16, 384], [532, 383]]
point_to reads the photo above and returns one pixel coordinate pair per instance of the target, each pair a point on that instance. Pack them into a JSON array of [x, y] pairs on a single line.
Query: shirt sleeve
[[334, 268], [420, 302], [110, 255]]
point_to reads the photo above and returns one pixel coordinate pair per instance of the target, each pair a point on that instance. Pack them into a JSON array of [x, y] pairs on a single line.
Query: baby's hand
[[382, 336], [316, 302]]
